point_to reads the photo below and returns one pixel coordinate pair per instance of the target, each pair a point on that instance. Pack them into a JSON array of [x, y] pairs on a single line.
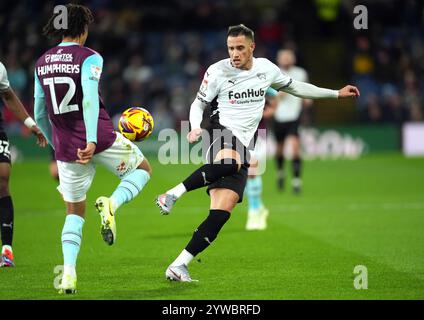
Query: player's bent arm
[[40, 111], [207, 92], [11, 99], [15, 105], [13, 102], [90, 77], [42, 118], [196, 113]]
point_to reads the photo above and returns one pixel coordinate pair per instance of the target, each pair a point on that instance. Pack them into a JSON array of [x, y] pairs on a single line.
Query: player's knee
[[223, 199], [145, 165], [149, 171]]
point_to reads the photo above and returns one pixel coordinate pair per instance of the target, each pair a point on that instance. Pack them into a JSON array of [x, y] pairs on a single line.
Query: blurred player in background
[[235, 90], [286, 121], [67, 99], [11, 100], [257, 214]]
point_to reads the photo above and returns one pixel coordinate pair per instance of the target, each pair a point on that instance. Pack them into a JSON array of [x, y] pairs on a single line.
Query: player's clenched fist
[[349, 91], [84, 156], [194, 135]]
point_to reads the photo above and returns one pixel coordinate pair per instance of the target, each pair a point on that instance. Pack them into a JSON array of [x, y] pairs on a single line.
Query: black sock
[[207, 231], [280, 162], [297, 167], [6, 220], [209, 173]]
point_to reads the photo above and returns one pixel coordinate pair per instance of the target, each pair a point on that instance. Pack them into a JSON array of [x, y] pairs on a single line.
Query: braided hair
[[79, 17]]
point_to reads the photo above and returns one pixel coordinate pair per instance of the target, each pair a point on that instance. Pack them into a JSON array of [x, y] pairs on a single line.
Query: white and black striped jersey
[[240, 94]]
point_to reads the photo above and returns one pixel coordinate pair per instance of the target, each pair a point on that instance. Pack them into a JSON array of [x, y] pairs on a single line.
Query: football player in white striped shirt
[[235, 90]]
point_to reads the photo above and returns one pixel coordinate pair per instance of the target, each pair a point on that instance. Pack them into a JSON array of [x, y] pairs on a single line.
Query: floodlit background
[[363, 199], [155, 56]]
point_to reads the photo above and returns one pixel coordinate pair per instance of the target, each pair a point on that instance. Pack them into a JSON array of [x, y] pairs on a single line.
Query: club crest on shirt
[[204, 86], [261, 76]]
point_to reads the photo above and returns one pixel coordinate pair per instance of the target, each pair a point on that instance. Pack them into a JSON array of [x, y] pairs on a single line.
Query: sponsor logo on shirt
[[250, 93], [121, 167], [96, 71], [65, 57]]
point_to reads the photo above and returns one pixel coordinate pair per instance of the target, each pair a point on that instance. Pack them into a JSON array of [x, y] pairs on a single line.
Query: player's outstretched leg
[[201, 239], [257, 213], [130, 186], [205, 234], [202, 177], [71, 243]]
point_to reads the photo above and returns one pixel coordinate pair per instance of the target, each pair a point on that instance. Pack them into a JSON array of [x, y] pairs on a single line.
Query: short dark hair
[[241, 30], [79, 17]]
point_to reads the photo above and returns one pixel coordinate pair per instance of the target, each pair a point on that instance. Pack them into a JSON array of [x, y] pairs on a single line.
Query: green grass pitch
[[368, 212]]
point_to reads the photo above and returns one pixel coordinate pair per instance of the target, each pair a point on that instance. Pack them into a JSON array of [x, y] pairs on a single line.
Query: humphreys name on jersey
[[58, 68]]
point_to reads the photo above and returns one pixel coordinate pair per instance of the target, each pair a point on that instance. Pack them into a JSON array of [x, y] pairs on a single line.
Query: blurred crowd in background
[[155, 53]]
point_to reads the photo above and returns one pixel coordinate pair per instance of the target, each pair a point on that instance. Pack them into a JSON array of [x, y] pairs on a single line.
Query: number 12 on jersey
[[64, 106]]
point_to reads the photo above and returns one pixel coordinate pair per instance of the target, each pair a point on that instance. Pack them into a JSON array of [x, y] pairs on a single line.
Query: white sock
[[178, 190], [6, 247], [185, 257], [69, 269], [296, 182]]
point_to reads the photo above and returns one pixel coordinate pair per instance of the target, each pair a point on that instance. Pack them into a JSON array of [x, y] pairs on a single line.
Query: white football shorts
[[121, 158]]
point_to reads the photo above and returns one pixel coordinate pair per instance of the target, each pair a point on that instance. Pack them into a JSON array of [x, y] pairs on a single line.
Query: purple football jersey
[[59, 73]]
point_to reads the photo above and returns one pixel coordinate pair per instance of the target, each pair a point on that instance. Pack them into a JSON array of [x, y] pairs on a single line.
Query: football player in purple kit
[[70, 112]]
